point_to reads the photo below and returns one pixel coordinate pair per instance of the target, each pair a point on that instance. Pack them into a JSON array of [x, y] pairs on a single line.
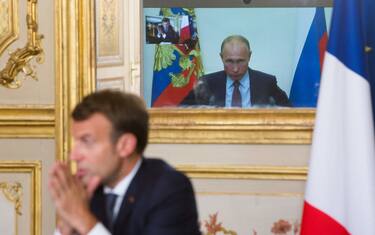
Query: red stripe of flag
[[316, 222], [173, 96], [322, 48]]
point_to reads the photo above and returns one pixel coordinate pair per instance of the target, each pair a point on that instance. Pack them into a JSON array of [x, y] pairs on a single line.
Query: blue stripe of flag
[[369, 27], [347, 41], [352, 51], [305, 86], [161, 79]]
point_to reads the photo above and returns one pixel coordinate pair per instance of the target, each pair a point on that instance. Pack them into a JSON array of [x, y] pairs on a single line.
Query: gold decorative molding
[[13, 192], [9, 29], [27, 121], [242, 126], [244, 172], [75, 63], [20, 59], [33, 168]]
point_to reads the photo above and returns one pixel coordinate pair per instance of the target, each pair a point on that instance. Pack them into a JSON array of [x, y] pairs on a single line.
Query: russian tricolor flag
[[340, 192], [305, 87], [177, 67]]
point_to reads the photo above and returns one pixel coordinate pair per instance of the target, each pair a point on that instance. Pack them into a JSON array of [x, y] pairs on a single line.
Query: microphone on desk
[[203, 95], [272, 101]]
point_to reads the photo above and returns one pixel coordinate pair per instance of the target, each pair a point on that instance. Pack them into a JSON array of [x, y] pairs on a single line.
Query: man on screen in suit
[[135, 195], [238, 85], [166, 32]]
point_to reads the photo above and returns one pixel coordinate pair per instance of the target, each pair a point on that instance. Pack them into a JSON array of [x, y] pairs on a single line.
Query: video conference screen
[[183, 44]]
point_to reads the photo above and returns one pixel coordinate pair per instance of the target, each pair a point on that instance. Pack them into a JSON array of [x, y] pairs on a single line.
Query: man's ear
[[126, 145]]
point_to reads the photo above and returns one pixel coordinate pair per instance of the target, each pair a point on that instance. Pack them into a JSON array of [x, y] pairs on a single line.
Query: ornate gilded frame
[[34, 169], [76, 78], [19, 60], [246, 126]]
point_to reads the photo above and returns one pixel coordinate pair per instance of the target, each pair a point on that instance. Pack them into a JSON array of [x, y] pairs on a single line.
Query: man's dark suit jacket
[[171, 35], [211, 90], [159, 201]]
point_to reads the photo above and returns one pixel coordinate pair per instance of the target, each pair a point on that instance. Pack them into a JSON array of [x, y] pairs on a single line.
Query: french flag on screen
[[340, 191], [185, 29], [305, 86]]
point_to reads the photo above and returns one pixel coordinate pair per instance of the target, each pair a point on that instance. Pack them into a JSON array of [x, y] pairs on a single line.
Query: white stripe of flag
[[340, 191]]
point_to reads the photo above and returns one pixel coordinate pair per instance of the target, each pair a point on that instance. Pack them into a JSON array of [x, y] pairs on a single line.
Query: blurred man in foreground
[[132, 195]]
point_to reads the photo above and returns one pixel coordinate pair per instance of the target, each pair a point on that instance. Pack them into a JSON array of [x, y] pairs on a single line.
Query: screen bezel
[[237, 3]]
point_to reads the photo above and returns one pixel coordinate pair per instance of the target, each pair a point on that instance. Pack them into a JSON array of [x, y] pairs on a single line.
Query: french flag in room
[[305, 86], [177, 67], [340, 190]]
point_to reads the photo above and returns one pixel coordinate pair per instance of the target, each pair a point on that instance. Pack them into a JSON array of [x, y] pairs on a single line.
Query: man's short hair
[[235, 38], [126, 112], [165, 19]]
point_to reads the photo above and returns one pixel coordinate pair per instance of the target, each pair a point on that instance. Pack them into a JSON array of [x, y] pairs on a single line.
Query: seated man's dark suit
[[159, 201], [211, 90]]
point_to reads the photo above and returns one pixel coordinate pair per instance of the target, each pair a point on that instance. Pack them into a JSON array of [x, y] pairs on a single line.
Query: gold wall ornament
[[20, 59], [27, 121], [9, 29], [13, 192]]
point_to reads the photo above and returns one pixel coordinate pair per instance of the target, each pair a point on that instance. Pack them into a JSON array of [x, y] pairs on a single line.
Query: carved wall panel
[[111, 83], [20, 183], [9, 27], [109, 21], [249, 200]]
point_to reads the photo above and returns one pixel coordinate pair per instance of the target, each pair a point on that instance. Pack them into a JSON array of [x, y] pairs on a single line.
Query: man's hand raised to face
[[71, 198]]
